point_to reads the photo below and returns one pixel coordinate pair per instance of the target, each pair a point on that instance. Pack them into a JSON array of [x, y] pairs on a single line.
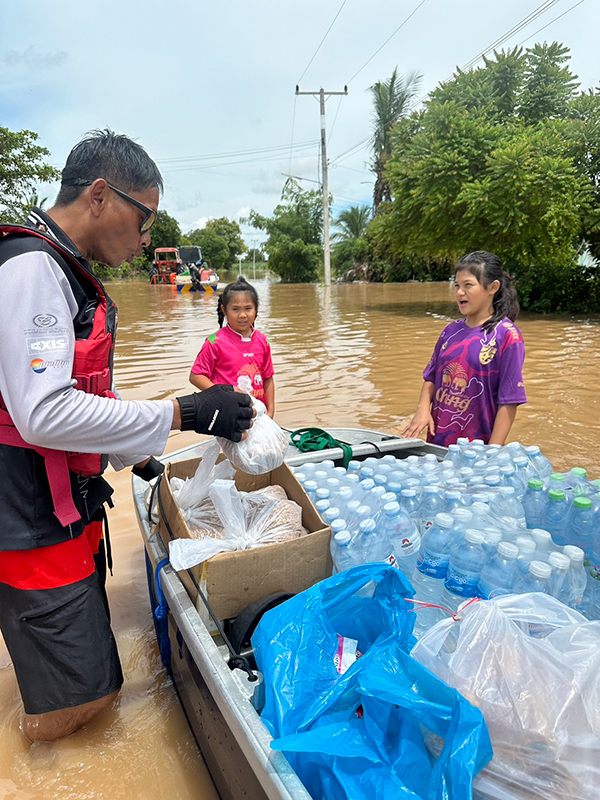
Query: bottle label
[[409, 546], [391, 560], [462, 584], [346, 654], [434, 565]]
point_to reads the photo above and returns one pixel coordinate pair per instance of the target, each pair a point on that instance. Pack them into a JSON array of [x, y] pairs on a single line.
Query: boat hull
[[220, 703]]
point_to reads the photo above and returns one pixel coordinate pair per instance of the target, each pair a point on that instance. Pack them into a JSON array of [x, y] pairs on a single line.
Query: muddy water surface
[[351, 356]]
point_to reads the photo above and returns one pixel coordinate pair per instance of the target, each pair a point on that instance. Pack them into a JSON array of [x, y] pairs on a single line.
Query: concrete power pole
[[321, 95]]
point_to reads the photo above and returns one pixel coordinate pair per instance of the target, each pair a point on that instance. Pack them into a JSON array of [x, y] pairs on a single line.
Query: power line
[[412, 13], [234, 153], [262, 159], [550, 23], [293, 125], [519, 26], [334, 121], [322, 40]]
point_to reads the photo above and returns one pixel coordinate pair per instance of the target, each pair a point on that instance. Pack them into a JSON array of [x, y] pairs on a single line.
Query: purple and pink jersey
[[229, 359], [474, 372]]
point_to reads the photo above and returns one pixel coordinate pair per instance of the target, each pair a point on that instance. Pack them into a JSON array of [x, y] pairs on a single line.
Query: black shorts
[[61, 645]]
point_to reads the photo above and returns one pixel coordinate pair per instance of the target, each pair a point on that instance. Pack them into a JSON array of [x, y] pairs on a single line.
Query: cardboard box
[[232, 581]]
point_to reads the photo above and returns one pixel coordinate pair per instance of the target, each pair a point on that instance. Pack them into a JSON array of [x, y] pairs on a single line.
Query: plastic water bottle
[[556, 480], [580, 525], [395, 487], [432, 503], [344, 552], [463, 518], [331, 514], [366, 472], [452, 500], [310, 487], [322, 506], [526, 554], [365, 487], [403, 536], [510, 478], [515, 449], [344, 496], [373, 545], [409, 501], [543, 543], [464, 570], [576, 480], [506, 504], [577, 577], [453, 455], [337, 526], [534, 502], [323, 494], [362, 512], [380, 479], [432, 565], [559, 579], [491, 539], [554, 518], [334, 486], [538, 461], [498, 575], [354, 466], [524, 471], [536, 580]]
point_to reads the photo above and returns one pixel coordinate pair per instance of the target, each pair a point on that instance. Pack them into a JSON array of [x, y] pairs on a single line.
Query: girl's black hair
[[241, 285], [487, 268]]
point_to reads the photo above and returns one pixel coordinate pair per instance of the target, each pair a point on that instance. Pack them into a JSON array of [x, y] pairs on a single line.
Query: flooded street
[[351, 356]]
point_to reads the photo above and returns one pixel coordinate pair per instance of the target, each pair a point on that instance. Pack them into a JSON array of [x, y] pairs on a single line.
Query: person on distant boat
[[59, 415], [237, 354], [474, 380]]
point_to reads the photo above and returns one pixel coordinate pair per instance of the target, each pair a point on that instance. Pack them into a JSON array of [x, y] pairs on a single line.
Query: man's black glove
[[152, 469], [219, 411]]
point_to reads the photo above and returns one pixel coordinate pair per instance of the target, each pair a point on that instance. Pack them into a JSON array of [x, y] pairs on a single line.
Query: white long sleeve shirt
[[37, 338]]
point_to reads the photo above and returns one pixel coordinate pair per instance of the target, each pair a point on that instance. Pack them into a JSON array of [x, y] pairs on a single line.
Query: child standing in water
[[237, 354], [474, 380]]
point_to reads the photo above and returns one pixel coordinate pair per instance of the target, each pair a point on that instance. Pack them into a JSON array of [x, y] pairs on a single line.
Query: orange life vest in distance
[[92, 369]]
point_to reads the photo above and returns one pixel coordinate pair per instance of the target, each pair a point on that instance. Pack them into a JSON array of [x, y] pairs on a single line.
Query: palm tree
[[352, 223], [391, 102], [35, 200]]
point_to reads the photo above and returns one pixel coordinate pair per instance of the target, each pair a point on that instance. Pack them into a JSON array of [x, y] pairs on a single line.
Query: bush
[[574, 289]]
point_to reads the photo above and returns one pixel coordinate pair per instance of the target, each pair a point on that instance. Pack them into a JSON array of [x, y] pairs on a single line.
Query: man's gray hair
[[112, 156]]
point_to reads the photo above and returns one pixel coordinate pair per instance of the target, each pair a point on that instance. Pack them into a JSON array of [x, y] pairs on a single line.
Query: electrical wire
[[293, 125], [412, 13], [321, 42], [519, 26], [335, 119], [550, 23], [234, 153], [262, 159]]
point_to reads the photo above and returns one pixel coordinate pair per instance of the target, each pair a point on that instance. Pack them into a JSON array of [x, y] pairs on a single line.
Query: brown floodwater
[[351, 356]]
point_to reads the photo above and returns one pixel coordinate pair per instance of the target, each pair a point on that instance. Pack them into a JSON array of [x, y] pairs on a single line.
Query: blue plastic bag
[[351, 727]]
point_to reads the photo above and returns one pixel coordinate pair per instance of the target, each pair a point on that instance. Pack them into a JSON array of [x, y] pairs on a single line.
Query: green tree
[[391, 102], [214, 247], [22, 166], [164, 233], [231, 233], [295, 233], [351, 223], [492, 165]]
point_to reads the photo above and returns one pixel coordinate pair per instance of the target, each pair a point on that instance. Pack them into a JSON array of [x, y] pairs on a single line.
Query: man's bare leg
[[56, 724]]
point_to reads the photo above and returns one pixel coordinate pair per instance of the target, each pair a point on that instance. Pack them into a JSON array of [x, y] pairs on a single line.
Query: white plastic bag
[[263, 449], [192, 495], [532, 666], [248, 519]]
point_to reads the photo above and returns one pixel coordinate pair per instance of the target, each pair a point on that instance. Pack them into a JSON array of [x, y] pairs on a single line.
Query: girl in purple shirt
[[474, 380]]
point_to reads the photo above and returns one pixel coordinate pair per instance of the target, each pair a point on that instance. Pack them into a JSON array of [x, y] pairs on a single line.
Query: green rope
[[308, 440]]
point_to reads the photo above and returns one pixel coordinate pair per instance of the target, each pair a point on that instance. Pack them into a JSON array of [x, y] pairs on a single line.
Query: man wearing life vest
[[61, 421]]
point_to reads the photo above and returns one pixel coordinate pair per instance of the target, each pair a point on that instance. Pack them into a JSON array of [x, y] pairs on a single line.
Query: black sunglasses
[[150, 218]]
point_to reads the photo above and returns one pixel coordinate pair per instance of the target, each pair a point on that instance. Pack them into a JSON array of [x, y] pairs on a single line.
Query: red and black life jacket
[[92, 369]]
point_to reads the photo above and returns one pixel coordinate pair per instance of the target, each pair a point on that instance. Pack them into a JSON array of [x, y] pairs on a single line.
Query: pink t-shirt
[[229, 359]]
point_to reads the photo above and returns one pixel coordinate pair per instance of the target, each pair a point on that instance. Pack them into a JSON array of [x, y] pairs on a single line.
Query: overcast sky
[[208, 88]]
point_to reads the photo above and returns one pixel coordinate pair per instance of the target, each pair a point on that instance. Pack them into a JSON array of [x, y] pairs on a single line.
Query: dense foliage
[[22, 166], [295, 231], [504, 158]]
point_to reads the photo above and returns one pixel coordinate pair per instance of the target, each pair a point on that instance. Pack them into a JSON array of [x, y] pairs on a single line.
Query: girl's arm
[[269, 387], [503, 423], [200, 381], [422, 418]]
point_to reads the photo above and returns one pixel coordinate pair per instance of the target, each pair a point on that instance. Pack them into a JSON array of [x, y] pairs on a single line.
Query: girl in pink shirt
[[237, 354]]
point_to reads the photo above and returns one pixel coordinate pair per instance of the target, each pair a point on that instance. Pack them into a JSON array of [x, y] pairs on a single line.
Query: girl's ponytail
[[487, 268]]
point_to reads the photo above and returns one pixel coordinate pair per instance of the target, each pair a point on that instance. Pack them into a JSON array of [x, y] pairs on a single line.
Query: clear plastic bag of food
[[263, 449], [248, 520]]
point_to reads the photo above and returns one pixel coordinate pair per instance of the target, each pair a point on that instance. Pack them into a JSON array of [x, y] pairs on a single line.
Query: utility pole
[[325, 185]]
